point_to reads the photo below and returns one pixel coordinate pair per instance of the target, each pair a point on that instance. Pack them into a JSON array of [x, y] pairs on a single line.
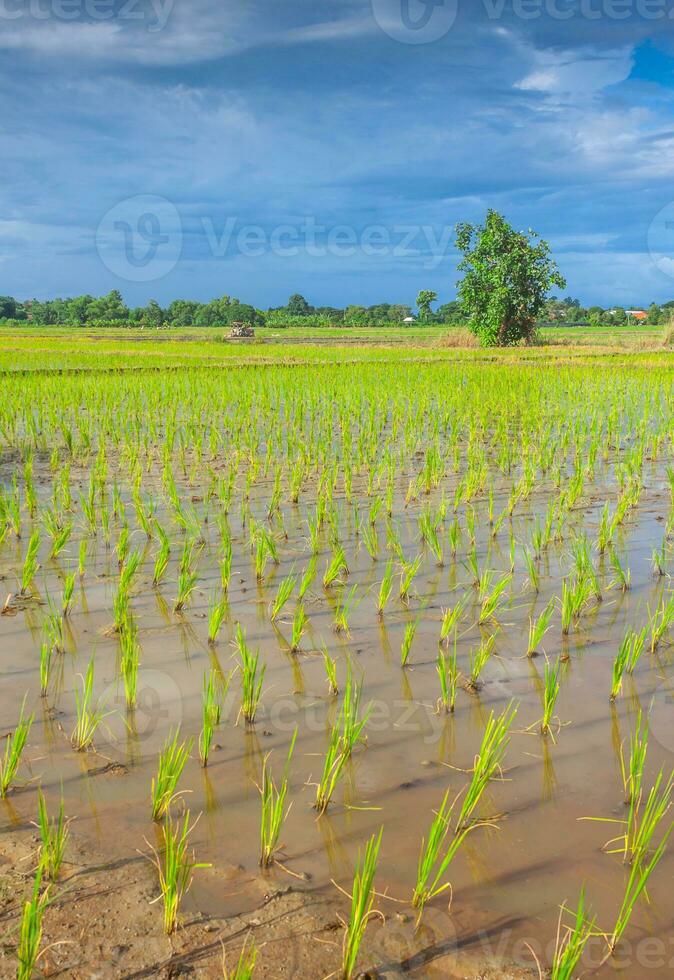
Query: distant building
[[410, 319], [637, 314]]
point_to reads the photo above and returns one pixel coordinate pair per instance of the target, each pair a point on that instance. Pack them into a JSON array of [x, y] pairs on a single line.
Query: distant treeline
[[93, 311]]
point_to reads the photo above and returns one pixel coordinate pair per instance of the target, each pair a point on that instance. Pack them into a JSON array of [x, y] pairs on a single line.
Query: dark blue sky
[[194, 147]]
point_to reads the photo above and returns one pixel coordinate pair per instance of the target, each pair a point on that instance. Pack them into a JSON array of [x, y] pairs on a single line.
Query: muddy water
[[510, 877]]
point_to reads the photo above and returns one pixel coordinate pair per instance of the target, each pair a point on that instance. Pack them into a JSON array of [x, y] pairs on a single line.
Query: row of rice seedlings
[[15, 744], [30, 936], [274, 813]]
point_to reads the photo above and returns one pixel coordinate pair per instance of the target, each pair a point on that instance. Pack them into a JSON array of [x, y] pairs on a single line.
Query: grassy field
[[294, 633]]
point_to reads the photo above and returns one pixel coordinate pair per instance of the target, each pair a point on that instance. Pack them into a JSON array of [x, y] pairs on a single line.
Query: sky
[[195, 148]]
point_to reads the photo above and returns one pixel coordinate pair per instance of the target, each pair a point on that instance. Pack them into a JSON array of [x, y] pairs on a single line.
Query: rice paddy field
[[335, 660]]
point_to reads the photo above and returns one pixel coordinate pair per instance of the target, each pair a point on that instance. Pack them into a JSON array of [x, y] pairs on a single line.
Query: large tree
[[424, 300], [507, 277]]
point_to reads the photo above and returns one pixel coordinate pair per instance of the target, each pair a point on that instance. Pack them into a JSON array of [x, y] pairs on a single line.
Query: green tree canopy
[[507, 277]]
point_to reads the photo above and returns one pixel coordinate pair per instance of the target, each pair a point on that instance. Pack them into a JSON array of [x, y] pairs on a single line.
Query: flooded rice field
[[428, 600]]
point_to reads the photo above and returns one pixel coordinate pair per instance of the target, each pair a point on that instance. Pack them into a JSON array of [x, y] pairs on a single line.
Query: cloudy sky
[[258, 148]]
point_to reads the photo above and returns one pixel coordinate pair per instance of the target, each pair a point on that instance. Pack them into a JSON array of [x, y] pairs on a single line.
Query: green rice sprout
[[448, 674], [632, 771], [336, 566], [285, 590], [244, 966], [274, 810], [408, 638], [659, 559], [333, 766], [30, 937], [15, 744], [60, 539], [300, 620], [432, 868], [571, 942], [46, 659], [362, 901], [350, 718], [623, 576], [407, 575], [636, 885], [252, 676], [488, 761], [187, 578], [492, 601], [217, 614], [30, 562], [54, 836], [68, 590], [660, 621], [162, 558], [478, 661], [636, 643], [172, 760], [538, 629], [551, 687], [330, 671], [88, 714], [129, 663], [175, 868], [532, 571], [451, 617], [346, 600], [82, 557], [211, 712], [308, 577], [620, 665], [385, 588]]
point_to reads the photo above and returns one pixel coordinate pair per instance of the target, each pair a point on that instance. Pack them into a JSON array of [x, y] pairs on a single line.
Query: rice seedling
[[129, 662], [333, 766], [488, 761], [54, 837], [350, 718], [217, 613], [551, 688], [362, 901], [187, 577], [30, 562], [432, 868], [538, 629], [451, 617], [479, 658], [335, 568], [60, 538], [619, 667], [344, 608], [532, 571], [82, 558], [285, 590], [385, 588], [300, 621], [492, 601], [15, 744], [571, 942], [162, 559], [244, 966], [448, 674], [46, 657], [68, 590], [308, 577], [273, 814], [637, 882], [210, 715], [408, 638], [252, 676], [659, 559], [330, 671], [172, 760], [30, 936], [632, 771], [89, 715], [175, 868], [407, 576], [623, 576], [660, 621]]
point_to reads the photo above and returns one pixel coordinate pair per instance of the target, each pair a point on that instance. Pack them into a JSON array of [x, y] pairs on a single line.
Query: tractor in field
[[241, 329]]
